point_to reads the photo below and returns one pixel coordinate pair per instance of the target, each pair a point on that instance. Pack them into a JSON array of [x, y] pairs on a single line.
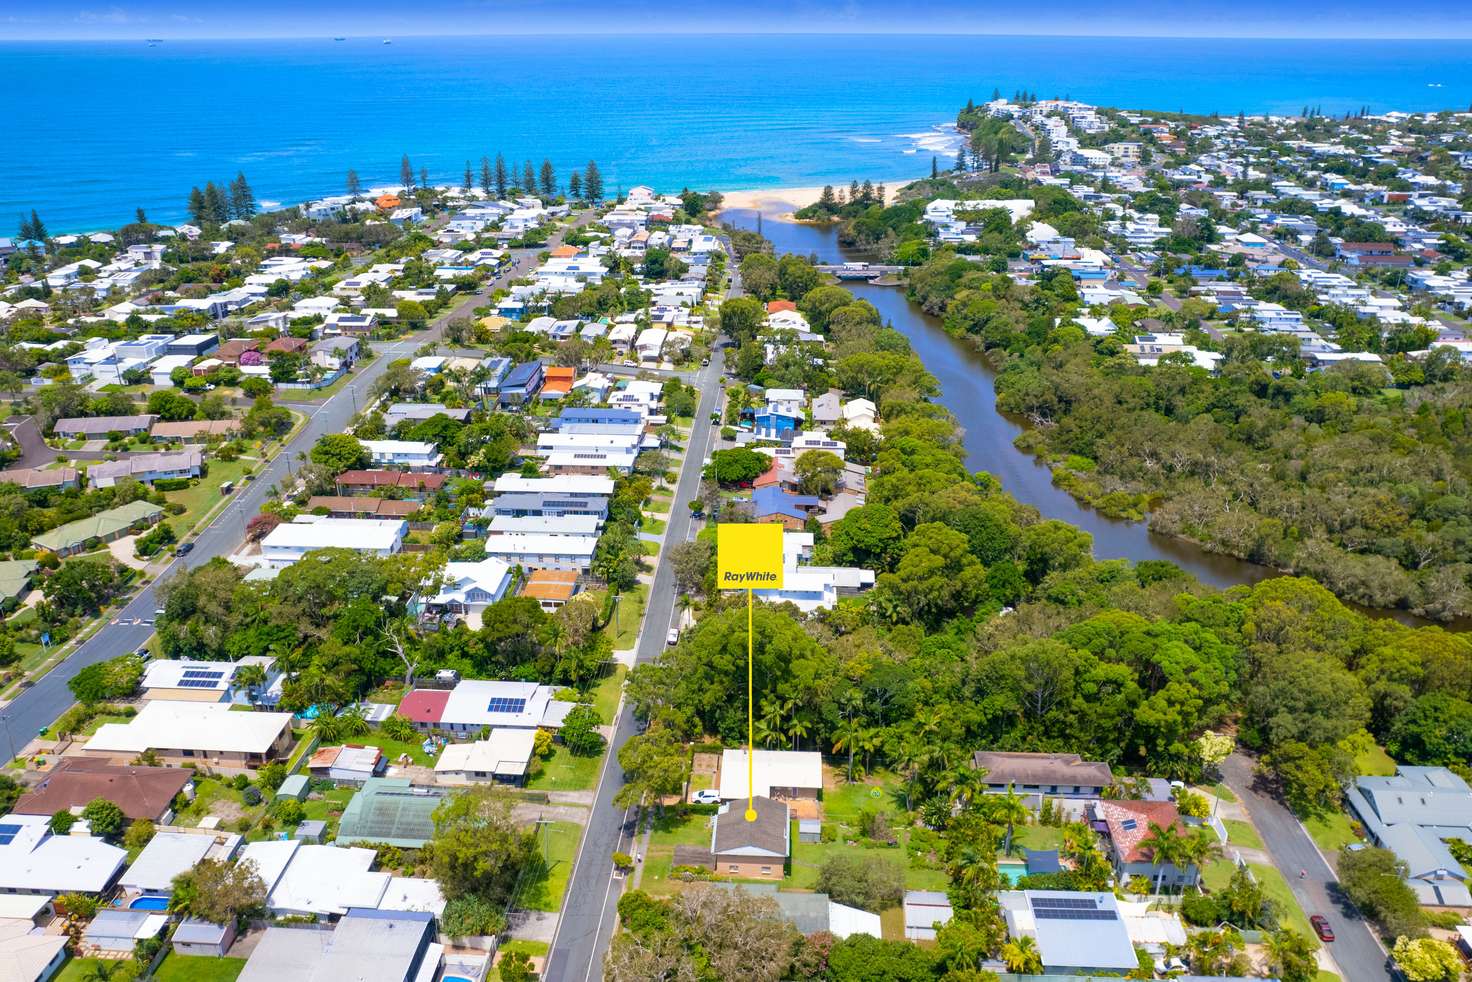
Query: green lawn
[[1240, 833], [628, 614], [1037, 837], [533, 948], [1374, 762], [1223, 792], [186, 968], [564, 772], [559, 841], [654, 526], [650, 549], [881, 791], [76, 969], [328, 808], [205, 494], [669, 831], [607, 691], [1276, 887], [393, 748], [808, 859], [1218, 874], [1331, 832]]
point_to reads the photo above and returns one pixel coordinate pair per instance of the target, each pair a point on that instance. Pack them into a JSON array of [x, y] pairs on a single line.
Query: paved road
[[40, 705], [1355, 949], [590, 911], [34, 452]]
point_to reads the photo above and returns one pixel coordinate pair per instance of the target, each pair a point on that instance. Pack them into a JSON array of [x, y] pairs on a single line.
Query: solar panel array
[[8, 833], [1128, 825], [201, 673], [196, 684], [1069, 909], [501, 704]]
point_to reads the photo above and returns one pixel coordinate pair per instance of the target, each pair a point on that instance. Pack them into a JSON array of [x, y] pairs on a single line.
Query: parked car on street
[[1321, 927]]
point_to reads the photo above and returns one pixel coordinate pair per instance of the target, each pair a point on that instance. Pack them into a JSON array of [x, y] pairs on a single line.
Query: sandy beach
[[773, 199]]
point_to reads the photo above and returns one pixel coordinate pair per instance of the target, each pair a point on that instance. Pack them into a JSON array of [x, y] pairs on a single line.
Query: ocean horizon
[[102, 128]]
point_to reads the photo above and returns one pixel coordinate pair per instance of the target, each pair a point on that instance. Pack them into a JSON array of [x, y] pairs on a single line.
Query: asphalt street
[[589, 913], [1354, 948]]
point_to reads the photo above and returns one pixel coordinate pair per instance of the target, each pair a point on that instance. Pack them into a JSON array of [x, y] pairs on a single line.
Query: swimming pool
[[1011, 870], [149, 903], [455, 978]]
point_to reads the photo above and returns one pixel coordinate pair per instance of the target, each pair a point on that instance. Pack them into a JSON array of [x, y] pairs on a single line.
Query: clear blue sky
[[179, 19]]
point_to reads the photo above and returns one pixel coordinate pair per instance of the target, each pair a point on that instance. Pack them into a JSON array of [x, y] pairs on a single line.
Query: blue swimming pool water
[[150, 903], [455, 978]]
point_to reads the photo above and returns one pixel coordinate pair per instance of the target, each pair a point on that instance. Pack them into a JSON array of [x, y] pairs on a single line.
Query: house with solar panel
[[1076, 933], [475, 704], [1127, 824], [183, 680]]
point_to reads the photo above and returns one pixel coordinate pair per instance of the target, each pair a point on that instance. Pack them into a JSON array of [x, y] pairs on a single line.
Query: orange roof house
[[564, 252], [775, 306], [557, 382], [551, 587], [387, 202]]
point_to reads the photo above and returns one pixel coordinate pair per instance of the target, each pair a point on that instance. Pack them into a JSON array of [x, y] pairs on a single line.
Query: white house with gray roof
[[1413, 814]]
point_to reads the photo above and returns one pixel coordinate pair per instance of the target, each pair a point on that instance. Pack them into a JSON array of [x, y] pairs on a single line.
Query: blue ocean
[[95, 130]]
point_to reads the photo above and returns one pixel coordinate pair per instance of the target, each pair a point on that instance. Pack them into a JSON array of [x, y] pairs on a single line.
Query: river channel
[[966, 389]]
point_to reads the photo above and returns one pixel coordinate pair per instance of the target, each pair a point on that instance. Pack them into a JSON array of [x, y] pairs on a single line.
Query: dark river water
[[966, 389]]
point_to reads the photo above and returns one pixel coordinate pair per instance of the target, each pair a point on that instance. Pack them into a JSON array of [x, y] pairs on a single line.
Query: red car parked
[[1321, 927]]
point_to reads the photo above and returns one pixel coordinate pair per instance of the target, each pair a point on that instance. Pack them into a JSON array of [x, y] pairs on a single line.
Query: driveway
[[1355, 950]]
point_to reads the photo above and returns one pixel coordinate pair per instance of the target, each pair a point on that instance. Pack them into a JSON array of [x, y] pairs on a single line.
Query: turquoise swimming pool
[[149, 903]]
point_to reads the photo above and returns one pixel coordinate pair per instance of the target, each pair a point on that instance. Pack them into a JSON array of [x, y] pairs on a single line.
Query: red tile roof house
[[1127, 823], [424, 707]]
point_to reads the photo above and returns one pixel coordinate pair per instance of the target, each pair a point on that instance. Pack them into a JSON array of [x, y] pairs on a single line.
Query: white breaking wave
[[942, 138]]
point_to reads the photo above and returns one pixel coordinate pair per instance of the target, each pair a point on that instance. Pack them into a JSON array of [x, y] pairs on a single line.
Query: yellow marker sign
[[749, 557]]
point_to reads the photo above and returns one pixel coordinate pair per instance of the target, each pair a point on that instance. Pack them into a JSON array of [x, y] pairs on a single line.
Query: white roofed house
[[148, 467], [185, 680], [784, 775], [202, 733], [542, 550], [290, 541], [861, 414], [477, 703], [504, 756], [414, 455], [466, 589], [33, 860], [650, 344]]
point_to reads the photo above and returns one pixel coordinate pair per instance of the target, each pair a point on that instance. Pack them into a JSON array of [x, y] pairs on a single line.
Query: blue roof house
[[771, 503], [522, 384], [771, 425]]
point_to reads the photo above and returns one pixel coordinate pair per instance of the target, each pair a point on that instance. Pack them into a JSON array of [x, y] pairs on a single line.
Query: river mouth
[[967, 390]]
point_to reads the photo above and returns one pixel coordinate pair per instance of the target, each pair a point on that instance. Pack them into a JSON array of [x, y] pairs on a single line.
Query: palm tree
[[250, 678], [1009, 808], [327, 727], [354, 722], [962, 783], [101, 971], [1021, 956], [907, 756], [797, 729], [1165, 850], [763, 734], [847, 737], [1199, 847]]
